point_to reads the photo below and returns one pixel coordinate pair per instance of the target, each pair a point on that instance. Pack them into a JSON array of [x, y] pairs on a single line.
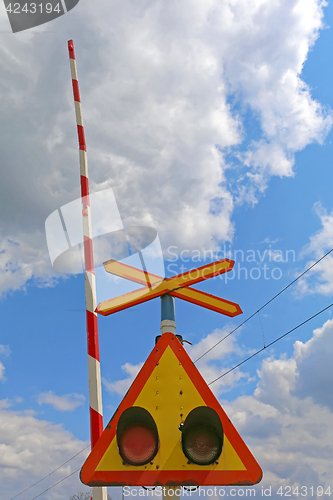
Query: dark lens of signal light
[[137, 436], [202, 436]]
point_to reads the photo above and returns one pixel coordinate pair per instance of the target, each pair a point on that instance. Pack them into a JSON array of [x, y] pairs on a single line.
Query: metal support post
[[168, 323]]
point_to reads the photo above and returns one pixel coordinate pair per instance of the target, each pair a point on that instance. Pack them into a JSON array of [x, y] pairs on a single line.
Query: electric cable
[[262, 307], [40, 480], [271, 343], [55, 484]]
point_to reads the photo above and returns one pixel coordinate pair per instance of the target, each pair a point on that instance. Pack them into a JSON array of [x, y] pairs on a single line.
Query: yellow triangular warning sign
[[168, 389]]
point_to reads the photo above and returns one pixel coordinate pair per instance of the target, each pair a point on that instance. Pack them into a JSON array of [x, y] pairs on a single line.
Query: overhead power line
[[271, 343], [262, 307], [48, 475], [55, 484]]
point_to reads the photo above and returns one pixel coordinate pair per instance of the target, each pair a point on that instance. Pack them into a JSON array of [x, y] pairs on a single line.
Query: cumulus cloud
[[23, 259], [314, 366], [5, 403], [4, 350], [31, 449], [320, 278], [121, 386], [67, 402], [287, 420], [165, 89], [219, 359], [4, 353], [279, 377], [223, 349], [2, 371]]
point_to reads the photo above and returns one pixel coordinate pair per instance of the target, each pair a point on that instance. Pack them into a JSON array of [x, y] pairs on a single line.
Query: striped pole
[[94, 371]]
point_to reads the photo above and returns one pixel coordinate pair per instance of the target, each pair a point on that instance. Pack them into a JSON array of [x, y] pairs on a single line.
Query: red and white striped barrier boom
[[94, 371]]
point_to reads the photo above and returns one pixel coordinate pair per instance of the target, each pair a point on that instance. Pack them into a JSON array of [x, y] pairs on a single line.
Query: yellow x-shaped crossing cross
[[177, 286]]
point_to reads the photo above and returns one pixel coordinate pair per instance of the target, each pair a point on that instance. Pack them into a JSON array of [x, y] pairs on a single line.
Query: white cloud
[[268, 241], [276, 377], [222, 350], [31, 449], [23, 259], [157, 85], [5, 403], [287, 421], [320, 278], [218, 360], [2, 372], [292, 446], [314, 366], [67, 402], [121, 386], [4, 352]]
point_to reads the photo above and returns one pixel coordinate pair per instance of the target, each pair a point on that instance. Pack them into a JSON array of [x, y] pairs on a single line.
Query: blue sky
[[211, 123]]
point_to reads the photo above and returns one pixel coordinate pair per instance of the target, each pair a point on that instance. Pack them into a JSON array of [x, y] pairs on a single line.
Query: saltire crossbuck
[[178, 286], [170, 430]]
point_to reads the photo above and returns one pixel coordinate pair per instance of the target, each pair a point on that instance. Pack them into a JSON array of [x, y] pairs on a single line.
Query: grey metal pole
[[168, 323]]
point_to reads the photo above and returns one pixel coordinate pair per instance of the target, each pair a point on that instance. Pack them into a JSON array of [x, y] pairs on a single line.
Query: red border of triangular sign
[[251, 475]]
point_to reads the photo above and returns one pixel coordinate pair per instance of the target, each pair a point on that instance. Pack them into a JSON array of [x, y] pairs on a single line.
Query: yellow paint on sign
[[206, 300], [169, 395]]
